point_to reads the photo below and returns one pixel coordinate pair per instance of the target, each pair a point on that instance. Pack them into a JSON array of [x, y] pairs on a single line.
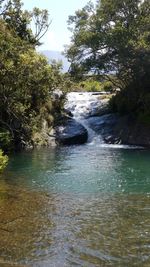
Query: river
[[86, 205]]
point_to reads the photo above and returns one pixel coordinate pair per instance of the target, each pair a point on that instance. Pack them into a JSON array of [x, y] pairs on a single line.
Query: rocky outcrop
[[132, 132], [71, 132], [115, 129], [104, 126], [99, 108]]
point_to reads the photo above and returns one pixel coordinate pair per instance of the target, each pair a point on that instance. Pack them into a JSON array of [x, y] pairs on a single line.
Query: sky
[[59, 10]]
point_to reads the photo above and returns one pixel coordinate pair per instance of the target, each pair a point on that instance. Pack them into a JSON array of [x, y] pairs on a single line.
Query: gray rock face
[[70, 132], [132, 132], [115, 129], [99, 108], [104, 126], [102, 123]]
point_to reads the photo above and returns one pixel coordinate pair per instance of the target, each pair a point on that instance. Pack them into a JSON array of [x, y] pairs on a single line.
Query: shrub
[[90, 86], [3, 161], [107, 86]]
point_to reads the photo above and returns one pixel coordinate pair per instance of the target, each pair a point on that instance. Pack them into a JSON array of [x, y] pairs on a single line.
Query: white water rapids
[[81, 105], [84, 105]]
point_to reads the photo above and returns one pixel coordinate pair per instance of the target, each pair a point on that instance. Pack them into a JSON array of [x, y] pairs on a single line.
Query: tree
[[41, 22], [19, 20], [26, 84], [112, 38]]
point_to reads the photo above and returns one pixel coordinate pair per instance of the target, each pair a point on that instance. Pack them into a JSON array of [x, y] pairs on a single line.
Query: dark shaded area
[[71, 132]]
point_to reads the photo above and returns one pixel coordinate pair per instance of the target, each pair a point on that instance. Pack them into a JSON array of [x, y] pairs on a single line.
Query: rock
[[103, 123], [115, 129], [57, 94], [111, 139], [70, 132], [99, 108], [132, 132]]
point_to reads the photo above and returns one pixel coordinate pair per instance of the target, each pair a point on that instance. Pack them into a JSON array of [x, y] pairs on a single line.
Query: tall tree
[[113, 37]]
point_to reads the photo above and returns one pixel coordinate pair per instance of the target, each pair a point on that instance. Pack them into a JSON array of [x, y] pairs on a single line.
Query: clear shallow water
[[76, 206]]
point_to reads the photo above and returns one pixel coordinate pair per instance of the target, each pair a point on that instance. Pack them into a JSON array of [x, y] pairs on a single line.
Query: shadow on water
[[76, 206]]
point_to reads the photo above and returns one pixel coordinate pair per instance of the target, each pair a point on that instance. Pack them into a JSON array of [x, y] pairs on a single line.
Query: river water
[[85, 205]]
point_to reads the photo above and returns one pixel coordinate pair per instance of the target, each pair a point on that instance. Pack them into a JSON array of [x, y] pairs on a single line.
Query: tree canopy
[[112, 37]]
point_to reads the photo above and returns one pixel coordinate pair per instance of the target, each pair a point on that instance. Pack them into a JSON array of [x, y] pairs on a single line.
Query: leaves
[[26, 84], [3, 161], [110, 39]]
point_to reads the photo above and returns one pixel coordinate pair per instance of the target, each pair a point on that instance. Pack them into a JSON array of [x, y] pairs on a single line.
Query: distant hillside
[[51, 55]]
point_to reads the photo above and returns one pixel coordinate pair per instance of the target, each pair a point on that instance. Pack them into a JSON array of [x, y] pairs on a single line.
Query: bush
[[5, 139], [90, 86], [3, 161], [107, 86]]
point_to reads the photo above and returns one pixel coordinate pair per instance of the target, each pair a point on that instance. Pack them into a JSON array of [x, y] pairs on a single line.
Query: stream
[[85, 205]]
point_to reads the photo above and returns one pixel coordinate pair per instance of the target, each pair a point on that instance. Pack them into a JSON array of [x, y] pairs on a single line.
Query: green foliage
[[107, 86], [90, 86], [5, 139], [27, 81], [3, 161], [125, 101], [20, 21], [114, 38], [87, 85]]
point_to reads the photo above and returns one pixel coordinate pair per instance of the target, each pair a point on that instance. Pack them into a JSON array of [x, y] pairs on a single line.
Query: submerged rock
[[71, 132]]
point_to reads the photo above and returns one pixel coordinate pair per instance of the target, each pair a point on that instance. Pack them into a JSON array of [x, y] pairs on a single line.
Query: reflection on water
[[77, 206]]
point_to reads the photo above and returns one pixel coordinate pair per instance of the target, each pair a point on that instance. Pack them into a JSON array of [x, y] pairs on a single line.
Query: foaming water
[[82, 105]]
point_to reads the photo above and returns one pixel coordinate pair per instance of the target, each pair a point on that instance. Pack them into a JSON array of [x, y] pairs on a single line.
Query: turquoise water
[[83, 169], [83, 205]]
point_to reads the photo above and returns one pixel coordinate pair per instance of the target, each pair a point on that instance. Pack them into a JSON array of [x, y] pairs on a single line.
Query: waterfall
[[82, 106], [87, 108]]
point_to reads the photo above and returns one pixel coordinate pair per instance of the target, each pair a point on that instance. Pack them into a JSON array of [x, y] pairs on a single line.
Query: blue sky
[[59, 10]]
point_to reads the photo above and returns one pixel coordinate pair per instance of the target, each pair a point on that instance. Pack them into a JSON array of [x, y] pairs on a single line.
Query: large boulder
[[71, 132]]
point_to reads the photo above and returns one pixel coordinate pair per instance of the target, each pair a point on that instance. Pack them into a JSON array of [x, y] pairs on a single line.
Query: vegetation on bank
[[90, 85], [27, 81], [112, 39], [3, 161]]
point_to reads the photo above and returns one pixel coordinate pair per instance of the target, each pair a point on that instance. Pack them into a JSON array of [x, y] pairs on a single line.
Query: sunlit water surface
[[83, 205]]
